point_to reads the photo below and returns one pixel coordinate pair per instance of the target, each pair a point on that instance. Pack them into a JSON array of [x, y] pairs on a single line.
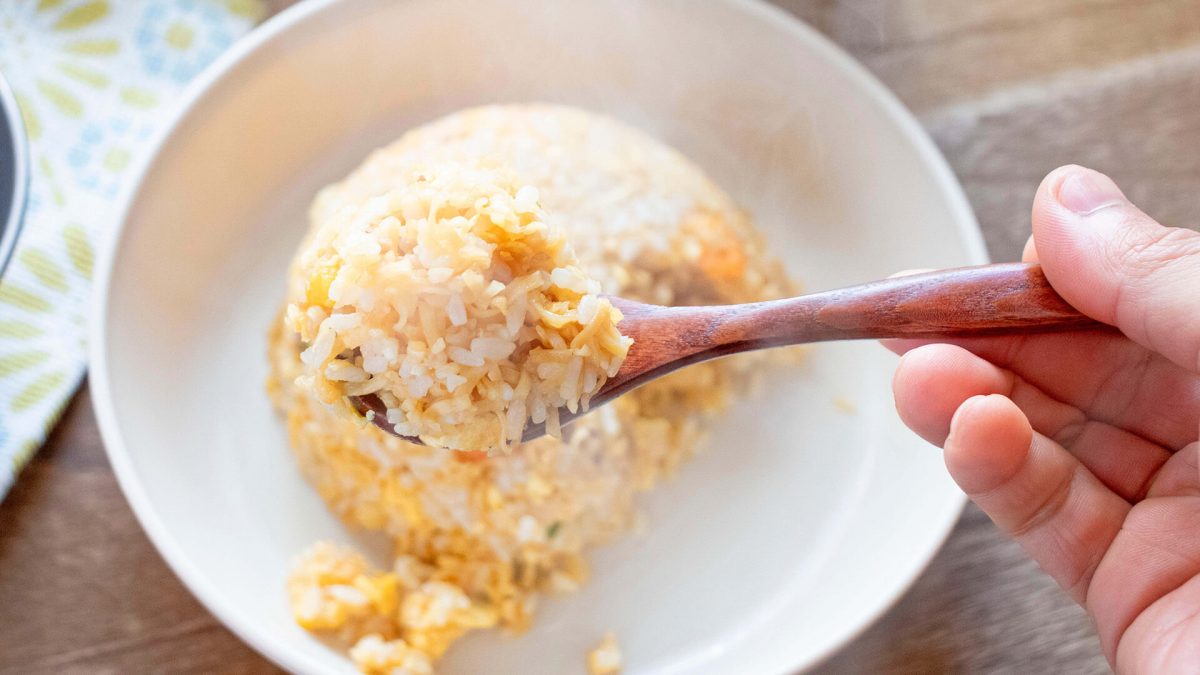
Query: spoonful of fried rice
[[449, 312]]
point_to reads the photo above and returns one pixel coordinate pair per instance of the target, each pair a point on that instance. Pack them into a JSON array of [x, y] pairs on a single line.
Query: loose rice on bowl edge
[[478, 538]]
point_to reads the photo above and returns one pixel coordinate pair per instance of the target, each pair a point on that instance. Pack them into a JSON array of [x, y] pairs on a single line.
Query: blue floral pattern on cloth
[[94, 80], [103, 151], [178, 39]]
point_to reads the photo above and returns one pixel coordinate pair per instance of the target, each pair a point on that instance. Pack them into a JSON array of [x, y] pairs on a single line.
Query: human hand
[[1083, 446]]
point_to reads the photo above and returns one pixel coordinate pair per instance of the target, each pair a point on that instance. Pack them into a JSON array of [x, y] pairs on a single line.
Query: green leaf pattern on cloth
[[94, 79]]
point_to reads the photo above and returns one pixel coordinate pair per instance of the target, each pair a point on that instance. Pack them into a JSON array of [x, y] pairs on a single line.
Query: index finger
[[1106, 375]]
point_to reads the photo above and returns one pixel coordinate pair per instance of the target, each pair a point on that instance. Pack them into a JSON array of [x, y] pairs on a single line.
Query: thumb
[[1117, 265]]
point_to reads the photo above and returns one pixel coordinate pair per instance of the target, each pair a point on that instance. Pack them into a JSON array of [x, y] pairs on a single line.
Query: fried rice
[[477, 539], [454, 302]]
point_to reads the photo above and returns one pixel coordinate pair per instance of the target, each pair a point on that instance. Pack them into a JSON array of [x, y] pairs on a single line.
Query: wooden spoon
[[1004, 299]]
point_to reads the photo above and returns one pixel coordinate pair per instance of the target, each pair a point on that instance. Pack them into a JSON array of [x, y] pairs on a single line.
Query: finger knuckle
[[1166, 247], [1047, 507], [1169, 257]]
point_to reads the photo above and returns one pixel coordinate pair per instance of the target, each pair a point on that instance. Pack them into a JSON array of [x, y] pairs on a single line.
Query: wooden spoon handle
[[986, 300], [1008, 298]]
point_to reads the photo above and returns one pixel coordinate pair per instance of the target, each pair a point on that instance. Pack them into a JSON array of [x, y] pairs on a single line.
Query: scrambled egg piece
[[605, 659], [375, 656], [397, 619]]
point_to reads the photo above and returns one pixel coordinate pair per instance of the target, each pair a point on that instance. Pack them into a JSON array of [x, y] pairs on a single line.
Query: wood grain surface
[[1009, 89], [1001, 298]]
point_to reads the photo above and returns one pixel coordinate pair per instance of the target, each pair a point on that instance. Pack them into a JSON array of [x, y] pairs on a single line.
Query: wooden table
[[1008, 88]]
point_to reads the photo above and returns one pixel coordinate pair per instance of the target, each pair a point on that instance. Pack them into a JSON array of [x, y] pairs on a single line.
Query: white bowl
[[797, 527]]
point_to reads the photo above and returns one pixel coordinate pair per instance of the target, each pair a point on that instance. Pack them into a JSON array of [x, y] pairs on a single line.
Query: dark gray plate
[[14, 172]]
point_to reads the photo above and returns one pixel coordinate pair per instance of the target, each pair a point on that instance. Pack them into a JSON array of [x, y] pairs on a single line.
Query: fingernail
[[1084, 192]]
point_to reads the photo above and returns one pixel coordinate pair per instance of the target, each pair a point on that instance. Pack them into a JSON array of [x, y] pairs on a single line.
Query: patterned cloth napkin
[[94, 80]]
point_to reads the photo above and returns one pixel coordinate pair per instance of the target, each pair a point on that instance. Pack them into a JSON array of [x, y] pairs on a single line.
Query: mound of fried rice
[[478, 538]]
